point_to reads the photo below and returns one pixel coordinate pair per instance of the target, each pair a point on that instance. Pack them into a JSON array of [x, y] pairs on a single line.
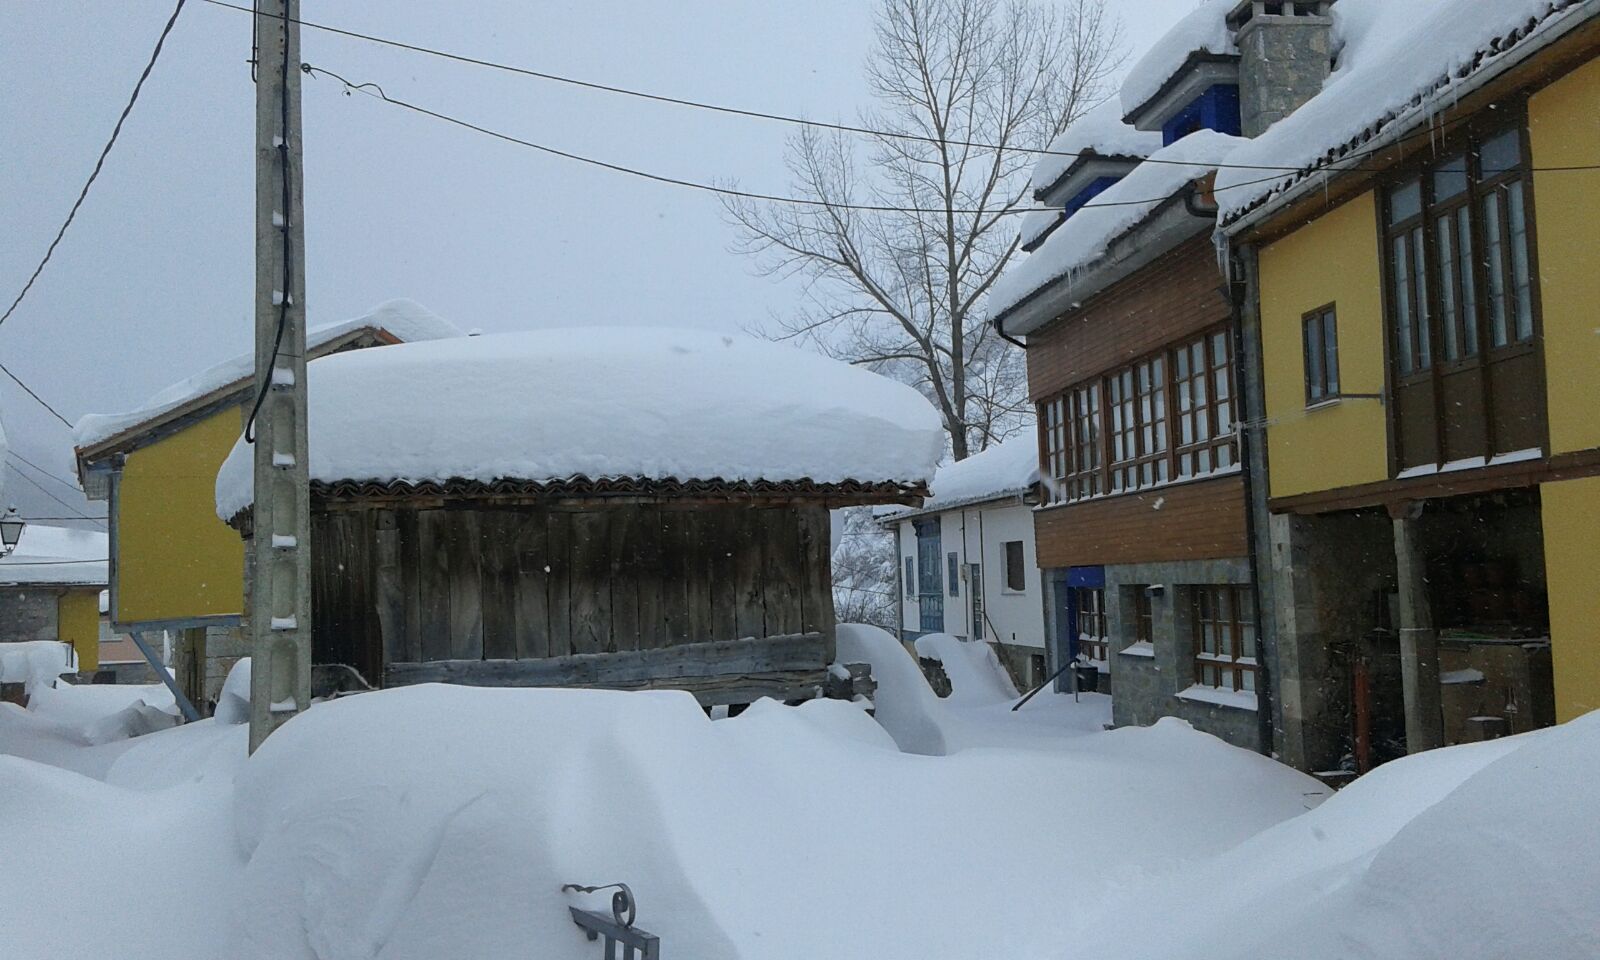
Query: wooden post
[[189, 665], [1419, 642], [278, 600]]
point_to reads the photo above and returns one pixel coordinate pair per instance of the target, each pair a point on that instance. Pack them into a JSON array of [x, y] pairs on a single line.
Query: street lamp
[[11, 527]]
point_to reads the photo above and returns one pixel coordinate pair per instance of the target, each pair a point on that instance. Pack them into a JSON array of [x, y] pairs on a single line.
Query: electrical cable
[[93, 174], [37, 399]]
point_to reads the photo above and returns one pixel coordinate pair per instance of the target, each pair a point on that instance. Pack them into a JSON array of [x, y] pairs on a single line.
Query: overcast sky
[[155, 279]]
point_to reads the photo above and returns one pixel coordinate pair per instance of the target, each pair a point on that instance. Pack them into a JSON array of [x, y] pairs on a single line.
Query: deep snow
[[648, 403], [441, 821]]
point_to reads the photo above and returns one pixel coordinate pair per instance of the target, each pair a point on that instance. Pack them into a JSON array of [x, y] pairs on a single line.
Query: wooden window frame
[[1021, 566], [1467, 142], [1240, 659], [1092, 622], [1144, 620], [1097, 439], [1322, 380]]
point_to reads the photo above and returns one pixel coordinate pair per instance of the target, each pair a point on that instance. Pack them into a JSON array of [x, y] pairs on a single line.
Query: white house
[[967, 561]]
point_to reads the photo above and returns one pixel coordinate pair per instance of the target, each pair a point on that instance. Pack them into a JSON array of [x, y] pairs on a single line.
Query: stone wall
[[1284, 61]]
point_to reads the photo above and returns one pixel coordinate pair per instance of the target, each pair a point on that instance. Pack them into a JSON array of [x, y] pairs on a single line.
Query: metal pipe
[[1035, 691]]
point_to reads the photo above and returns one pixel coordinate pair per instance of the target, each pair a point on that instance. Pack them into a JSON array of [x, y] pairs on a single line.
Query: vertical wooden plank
[[816, 592], [624, 563], [410, 586], [685, 572], [591, 584], [650, 580], [466, 587], [389, 597], [721, 535], [501, 570], [746, 546], [434, 580], [781, 570], [558, 557], [534, 567]]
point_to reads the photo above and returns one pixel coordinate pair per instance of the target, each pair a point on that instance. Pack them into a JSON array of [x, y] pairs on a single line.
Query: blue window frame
[[1216, 109]]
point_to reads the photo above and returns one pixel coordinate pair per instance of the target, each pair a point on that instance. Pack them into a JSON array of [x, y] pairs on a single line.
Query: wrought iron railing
[[618, 928]]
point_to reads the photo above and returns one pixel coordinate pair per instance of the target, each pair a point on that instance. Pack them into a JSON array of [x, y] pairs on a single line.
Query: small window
[[952, 566], [975, 592], [1092, 639], [1321, 335], [1143, 616], [1016, 573], [911, 577], [1224, 637]]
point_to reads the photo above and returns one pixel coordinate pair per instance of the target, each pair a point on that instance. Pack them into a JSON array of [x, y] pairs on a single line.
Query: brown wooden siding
[[1178, 295], [408, 585], [1204, 520]]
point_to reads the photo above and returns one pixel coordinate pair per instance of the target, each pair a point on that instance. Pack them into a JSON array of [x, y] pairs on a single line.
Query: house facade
[[968, 564], [173, 565], [50, 588], [1423, 353], [1129, 322]]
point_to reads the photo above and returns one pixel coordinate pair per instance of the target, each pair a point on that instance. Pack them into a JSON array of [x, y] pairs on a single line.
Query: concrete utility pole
[[1419, 642], [279, 580]]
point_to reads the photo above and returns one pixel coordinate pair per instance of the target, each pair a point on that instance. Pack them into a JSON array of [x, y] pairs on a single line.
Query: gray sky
[[155, 279]]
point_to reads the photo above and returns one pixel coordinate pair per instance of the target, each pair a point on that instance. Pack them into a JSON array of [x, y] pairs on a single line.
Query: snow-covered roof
[[602, 403], [403, 320], [1204, 31], [1100, 132], [56, 555], [1396, 62], [1086, 237], [1007, 469]]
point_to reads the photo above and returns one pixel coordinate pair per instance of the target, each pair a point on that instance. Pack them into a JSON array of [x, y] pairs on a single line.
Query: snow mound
[[904, 703], [1203, 31], [1389, 54], [402, 319], [35, 663], [233, 703], [1085, 238], [975, 673], [1008, 468], [1100, 132], [647, 403]]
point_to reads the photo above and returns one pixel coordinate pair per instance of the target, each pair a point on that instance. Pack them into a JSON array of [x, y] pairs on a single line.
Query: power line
[[377, 92], [37, 399], [98, 164], [45, 473], [46, 491], [720, 108]]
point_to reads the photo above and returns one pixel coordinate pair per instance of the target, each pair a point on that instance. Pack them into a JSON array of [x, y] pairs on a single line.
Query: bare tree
[[864, 571], [963, 89]]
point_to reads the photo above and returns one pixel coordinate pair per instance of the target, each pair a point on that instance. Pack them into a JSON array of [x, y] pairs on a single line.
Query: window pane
[[1314, 358], [1520, 274], [1419, 271], [1405, 202], [1450, 179], [1469, 284], [1402, 304], [1494, 260], [1451, 316], [1016, 576], [1501, 155], [1330, 348]]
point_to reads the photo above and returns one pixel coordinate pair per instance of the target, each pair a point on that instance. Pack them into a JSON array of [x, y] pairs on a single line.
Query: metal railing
[[618, 928]]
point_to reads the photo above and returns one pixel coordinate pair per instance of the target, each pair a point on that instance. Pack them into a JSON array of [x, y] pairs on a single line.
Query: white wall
[[978, 535]]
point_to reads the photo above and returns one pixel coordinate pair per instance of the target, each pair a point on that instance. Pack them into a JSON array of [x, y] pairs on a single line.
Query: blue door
[[930, 577], [1071, 587]]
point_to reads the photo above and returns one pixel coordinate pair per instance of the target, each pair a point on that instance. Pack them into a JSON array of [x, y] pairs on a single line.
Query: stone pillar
[[1286, 52], [1419, 642]]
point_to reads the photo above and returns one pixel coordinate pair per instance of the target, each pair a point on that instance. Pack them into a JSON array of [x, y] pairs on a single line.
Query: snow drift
[[604, 403]]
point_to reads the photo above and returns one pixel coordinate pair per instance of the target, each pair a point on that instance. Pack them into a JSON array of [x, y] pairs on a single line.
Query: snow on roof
[[604, 403], [1397, 60], [1089, 234], [56, 555], [1006, 469], [1203, 31], [405, 320], [1100, 132]]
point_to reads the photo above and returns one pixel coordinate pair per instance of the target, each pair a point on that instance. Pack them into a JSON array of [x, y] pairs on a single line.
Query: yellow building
[[1426, 384], [50, 588], [173, 564]]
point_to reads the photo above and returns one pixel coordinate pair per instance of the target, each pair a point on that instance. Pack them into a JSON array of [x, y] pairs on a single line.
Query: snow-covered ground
[[442, 821]]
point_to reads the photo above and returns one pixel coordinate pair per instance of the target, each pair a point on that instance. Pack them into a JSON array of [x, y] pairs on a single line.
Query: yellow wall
[[1333, 259], [78, 623], [1564, 123], [175, 559], [1572, 569]]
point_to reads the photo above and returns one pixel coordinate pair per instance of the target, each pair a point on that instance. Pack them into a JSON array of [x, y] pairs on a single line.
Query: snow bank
[[1390, 54], [645, 403], [36, 663], [233, 703], [1203, 31], [1101, 132], [975, 673], [404, 320], [904, 703], [1007, 469], [1091, 231], [57, 555]]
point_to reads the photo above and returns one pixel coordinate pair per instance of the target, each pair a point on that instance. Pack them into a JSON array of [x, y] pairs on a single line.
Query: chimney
[[1286, 52]]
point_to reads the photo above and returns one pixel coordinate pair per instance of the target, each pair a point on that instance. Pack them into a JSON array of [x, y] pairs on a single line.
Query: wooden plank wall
[[1204, 520], [407, 586]]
